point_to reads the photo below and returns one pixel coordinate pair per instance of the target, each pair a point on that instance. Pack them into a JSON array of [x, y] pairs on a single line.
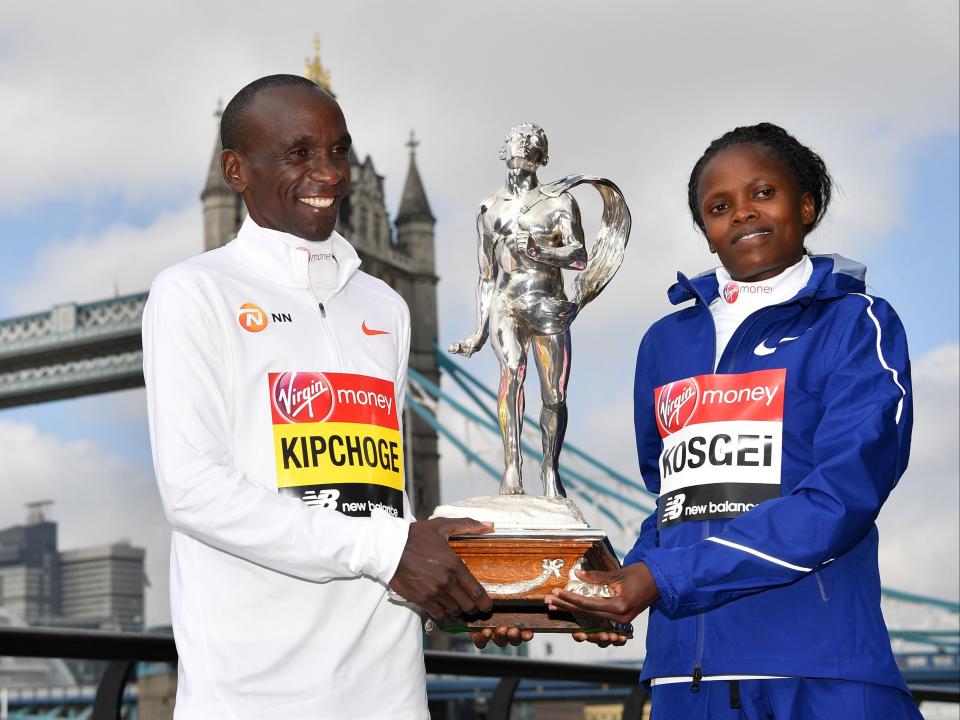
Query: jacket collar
[[279, 257], [833, 276]]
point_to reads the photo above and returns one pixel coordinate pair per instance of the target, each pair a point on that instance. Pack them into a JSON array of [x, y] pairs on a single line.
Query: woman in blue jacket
[[773, 418]]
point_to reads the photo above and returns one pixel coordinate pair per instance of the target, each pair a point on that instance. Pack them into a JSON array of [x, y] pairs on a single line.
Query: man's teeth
[[318, 202]]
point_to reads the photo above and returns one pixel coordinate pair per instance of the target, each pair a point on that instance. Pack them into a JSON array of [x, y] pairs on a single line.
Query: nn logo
[[254, 319], [673, 508]]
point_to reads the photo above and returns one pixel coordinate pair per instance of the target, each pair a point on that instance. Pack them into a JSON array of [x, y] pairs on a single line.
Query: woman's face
[[754, 215]]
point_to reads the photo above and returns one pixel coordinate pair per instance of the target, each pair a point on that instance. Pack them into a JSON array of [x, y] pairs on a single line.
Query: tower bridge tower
[[401, 253]]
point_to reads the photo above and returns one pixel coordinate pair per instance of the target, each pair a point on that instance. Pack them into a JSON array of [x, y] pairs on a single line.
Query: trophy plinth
[[519, 566]]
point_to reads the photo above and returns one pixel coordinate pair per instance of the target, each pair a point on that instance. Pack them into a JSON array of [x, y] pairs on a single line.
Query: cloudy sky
[[107, 130]]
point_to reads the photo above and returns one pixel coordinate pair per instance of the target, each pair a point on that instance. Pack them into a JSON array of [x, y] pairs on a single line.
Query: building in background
[[103, 586], [96, 587], [400, 253], [30, 568]]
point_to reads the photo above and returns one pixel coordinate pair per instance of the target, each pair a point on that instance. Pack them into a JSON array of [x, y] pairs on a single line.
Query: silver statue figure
[[527, 234]]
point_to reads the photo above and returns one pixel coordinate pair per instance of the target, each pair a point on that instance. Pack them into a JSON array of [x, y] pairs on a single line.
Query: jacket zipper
[[330, 335], [704, 534], [705, 531], [698, 653], [823, 588], [746, 331], [697, 676]]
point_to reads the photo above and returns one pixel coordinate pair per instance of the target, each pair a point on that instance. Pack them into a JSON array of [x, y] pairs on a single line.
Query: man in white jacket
[[275, 373]]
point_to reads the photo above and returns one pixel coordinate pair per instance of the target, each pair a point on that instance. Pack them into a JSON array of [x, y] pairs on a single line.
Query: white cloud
[[920, 523], [122, 258], [629, 91], [99, 499]]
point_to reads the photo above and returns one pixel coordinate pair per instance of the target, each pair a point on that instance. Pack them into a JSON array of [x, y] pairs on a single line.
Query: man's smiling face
[[293, 168]]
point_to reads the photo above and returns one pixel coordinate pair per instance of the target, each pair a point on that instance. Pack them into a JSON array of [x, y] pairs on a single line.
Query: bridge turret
[[415, 238], [223, 208]]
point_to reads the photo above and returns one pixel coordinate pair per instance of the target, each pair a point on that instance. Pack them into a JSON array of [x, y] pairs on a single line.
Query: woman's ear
[[808, 209]]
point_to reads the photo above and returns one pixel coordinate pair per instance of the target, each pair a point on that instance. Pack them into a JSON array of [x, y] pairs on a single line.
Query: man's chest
[[271, 331], [313, 395]]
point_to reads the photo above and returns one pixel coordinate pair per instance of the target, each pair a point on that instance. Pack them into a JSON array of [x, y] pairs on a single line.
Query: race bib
[[337, 441], [722, 444]]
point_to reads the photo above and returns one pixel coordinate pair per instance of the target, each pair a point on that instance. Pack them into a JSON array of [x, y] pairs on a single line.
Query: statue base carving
[[519, 565]]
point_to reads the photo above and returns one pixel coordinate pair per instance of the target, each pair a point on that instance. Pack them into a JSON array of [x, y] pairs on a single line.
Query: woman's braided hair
[[808, 168]]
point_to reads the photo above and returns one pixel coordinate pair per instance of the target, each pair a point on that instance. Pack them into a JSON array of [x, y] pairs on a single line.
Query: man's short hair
[[233, 120]]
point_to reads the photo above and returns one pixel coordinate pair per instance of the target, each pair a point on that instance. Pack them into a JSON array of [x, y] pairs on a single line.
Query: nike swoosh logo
[[763, 349], [368, 331]]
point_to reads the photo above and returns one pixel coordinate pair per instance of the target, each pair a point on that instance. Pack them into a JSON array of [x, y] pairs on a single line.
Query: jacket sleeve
[[401, 396], [860, 448], [204, 494], [648, 448]]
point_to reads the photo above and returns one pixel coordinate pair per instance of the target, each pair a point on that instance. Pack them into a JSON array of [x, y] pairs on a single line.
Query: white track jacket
[[276, 432]]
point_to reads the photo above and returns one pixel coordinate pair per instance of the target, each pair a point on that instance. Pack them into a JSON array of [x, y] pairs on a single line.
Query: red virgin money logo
[[676, 404], [731, 291], [303, 396]]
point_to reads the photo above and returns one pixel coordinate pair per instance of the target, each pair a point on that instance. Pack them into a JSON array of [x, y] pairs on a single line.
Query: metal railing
[[124, 650]]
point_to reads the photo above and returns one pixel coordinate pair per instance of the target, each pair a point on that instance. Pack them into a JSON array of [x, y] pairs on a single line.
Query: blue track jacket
[[790, 586]]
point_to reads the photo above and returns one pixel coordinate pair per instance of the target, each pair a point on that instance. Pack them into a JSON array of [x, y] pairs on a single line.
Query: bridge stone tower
[[223, 209], [399, 253]]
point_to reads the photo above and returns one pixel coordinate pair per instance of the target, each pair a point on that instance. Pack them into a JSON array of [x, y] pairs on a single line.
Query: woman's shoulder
[[865, 307]]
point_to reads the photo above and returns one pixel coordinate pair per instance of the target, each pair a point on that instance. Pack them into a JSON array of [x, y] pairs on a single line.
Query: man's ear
[[234, 167]]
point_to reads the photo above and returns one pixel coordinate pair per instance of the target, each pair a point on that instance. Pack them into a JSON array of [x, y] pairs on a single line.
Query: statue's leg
[[510, 348], [552, 356]]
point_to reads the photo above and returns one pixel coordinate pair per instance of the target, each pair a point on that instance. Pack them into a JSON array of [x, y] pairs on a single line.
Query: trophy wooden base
[[518, 570]]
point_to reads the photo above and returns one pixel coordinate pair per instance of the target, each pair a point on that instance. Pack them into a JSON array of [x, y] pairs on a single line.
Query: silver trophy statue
[[527, 234]]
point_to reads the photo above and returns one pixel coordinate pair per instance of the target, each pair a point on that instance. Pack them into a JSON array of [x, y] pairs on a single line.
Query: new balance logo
[[673, 508], [326, 499]]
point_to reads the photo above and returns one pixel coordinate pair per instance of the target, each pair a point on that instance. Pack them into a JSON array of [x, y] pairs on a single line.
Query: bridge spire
[[315, 71], [413, 201]]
